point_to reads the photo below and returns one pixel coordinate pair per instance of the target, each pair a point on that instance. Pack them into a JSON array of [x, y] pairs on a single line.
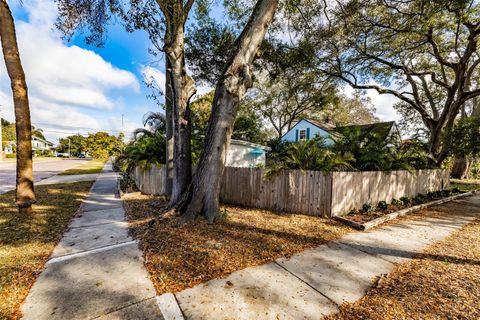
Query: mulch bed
[[26, 241], [441, 283], [181, 257], [366, 216]]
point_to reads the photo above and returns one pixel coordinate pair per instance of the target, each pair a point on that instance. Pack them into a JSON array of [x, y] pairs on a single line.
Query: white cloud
[[383, 103], [203, 89], [115, 123], [62, 79], [153, 74]]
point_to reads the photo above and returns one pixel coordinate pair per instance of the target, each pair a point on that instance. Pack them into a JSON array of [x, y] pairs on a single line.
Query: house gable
[[306, 130]]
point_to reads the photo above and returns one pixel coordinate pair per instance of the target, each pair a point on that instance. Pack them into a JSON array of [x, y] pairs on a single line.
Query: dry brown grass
[[442, 283], [27, 241], [181, 257]]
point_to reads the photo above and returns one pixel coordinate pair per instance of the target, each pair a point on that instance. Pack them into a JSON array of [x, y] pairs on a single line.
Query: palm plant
[[148, 145], [315, 155]]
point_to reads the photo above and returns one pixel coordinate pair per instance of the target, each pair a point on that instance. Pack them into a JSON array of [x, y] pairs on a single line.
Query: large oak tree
[[164, 20], [425, 53], [202, 198]]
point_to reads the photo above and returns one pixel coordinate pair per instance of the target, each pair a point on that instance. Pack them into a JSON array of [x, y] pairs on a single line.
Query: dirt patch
[[181, 257], [441, 283]]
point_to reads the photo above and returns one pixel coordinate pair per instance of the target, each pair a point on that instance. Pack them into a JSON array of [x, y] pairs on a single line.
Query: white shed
[[246, 154]]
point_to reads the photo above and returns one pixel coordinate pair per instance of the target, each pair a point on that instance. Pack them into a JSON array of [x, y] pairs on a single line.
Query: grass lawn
[[181, 257], [465, 185], [92, 166], [442, 283], [27, 241]]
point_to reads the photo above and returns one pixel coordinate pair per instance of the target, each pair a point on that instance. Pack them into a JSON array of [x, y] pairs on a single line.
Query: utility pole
[[69, 148]]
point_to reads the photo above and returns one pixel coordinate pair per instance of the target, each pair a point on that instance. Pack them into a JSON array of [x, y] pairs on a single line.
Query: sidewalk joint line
[[99, 224], [91, 251], [308, 284], [123, 307], [122, 222]]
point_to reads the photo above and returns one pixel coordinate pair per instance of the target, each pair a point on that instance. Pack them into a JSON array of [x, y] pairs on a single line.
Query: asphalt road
[[42, 168]]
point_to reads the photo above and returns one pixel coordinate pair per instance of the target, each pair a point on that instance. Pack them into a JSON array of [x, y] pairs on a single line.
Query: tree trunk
[[461, 167], [183, 88], [202, 197], [25, 194], [168, 128]]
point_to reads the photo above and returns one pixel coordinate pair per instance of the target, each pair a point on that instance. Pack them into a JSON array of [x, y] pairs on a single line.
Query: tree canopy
[[422, 52]]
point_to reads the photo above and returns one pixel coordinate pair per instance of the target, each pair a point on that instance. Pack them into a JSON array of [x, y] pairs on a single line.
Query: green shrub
[[445, 193], [431, 195], [382, 205], [367, 208], [353, 211], [11, 156], [419, 198], [456, 190], [396, 202], [405, 200]]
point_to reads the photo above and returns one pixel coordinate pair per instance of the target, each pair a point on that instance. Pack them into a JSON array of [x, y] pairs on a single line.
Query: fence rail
[[309, 192]]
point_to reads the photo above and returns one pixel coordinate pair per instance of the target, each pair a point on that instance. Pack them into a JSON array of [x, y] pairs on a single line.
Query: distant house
[[245, 154], [39, 144], [308, 129], [9, 147]]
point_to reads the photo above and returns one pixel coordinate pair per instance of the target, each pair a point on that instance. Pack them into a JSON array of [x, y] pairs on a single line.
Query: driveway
[[42, 168]]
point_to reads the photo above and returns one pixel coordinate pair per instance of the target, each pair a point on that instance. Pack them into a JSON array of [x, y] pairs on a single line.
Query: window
[[302, 134]]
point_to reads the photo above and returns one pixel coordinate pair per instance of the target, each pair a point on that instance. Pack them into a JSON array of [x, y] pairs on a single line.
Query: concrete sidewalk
[[315, 282], [96, 271]]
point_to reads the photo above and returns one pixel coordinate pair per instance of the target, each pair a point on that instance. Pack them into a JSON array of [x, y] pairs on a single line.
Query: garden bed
[[370, 216], [179, 257]]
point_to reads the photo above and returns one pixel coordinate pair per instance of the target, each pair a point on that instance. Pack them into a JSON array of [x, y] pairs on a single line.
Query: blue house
[[308, 129]]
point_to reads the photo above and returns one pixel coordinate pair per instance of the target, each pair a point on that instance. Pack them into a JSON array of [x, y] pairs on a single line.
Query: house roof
[[249, 144], [382, 129], [322, 125], [42, 140]]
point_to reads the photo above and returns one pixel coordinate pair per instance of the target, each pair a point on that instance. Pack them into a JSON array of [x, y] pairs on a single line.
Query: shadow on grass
[[26, 241]]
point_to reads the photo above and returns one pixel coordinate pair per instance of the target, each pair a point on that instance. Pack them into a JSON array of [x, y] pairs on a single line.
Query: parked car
[[63, 154]]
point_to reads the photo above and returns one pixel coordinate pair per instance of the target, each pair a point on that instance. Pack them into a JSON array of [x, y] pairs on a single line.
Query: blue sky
[[76, 88]]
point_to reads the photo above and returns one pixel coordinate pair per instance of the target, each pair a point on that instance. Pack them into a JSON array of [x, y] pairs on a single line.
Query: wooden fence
[[306, 192], [309, 192], [151, 180], [352, 189]]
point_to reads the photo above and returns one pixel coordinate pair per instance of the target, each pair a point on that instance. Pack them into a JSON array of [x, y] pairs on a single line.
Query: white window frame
[[304, 132]]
